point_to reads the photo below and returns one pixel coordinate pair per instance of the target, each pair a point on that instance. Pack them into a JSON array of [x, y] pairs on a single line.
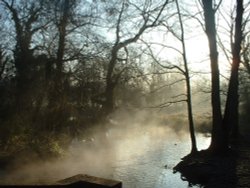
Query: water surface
[[140, 157]]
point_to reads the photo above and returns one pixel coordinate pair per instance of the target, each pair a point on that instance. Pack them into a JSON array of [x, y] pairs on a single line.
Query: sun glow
[[197, 53], [198, 56]]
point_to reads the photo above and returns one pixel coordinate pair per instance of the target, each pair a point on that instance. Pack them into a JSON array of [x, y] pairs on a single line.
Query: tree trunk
[[110, 84], [231, 116], [56, 106], [218, 142], [188, 89], [61, 45]]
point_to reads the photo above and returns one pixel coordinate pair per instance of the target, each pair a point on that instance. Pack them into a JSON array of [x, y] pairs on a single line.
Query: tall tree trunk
[[188, 89], [218, 143], [61, 44], [56, 106], [110, 83], [231, 116], [23, 56]]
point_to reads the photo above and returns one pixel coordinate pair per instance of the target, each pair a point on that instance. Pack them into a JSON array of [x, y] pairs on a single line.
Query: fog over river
[[139, 156]]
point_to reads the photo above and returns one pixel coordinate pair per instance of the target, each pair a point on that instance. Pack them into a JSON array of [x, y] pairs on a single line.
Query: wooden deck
[[77, 181]]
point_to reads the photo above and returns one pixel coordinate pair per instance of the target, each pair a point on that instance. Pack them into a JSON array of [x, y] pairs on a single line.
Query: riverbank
[[230, 170], [243, 162], [128, 158]]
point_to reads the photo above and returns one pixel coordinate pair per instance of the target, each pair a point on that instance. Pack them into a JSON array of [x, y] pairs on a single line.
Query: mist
[[130, 139]]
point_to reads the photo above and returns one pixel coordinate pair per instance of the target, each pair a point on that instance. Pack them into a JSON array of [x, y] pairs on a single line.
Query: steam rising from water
[[135, 150]]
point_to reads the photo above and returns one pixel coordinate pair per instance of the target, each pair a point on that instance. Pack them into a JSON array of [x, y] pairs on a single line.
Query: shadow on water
[[206, 170]]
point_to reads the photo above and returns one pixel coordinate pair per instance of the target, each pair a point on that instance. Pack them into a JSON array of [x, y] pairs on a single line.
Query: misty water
[[139, 156]]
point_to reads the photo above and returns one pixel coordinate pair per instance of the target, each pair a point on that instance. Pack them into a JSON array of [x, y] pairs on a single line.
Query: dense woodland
[[67, 65]]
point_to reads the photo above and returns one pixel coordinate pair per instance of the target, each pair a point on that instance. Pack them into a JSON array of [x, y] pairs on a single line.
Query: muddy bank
[[232, 169]]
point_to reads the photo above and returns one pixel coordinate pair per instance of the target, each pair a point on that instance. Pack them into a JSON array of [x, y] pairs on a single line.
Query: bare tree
[[222, 126], [62, 10], [231, 115], [183, 70], [218, 143], [150, 18], [25, 16], [188, 85]]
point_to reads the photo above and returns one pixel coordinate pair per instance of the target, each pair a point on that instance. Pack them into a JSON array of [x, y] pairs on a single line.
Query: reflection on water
[[144, 157], [139, 157], [147, 160]]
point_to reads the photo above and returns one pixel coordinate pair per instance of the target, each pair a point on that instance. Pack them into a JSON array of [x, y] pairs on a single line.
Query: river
[[141, 157]]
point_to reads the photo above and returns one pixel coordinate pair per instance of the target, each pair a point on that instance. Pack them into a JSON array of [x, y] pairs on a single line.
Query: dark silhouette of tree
[[218, 135], [231, 115], [222, 126], [188, 85], [149, 20], [25, 16], [184, 71], [62, 11], [61, 26]]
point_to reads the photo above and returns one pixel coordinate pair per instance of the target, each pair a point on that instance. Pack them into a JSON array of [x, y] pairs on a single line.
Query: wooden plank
[[77, 181], [91, 181]]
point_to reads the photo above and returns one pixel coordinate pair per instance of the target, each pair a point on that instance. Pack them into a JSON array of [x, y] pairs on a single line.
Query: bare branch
[[217, 7], [119, 22], [170, 67], [168, 85], [168, 103]]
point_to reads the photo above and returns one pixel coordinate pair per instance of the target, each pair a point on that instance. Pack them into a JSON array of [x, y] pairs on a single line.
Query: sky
[[195, 38]]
